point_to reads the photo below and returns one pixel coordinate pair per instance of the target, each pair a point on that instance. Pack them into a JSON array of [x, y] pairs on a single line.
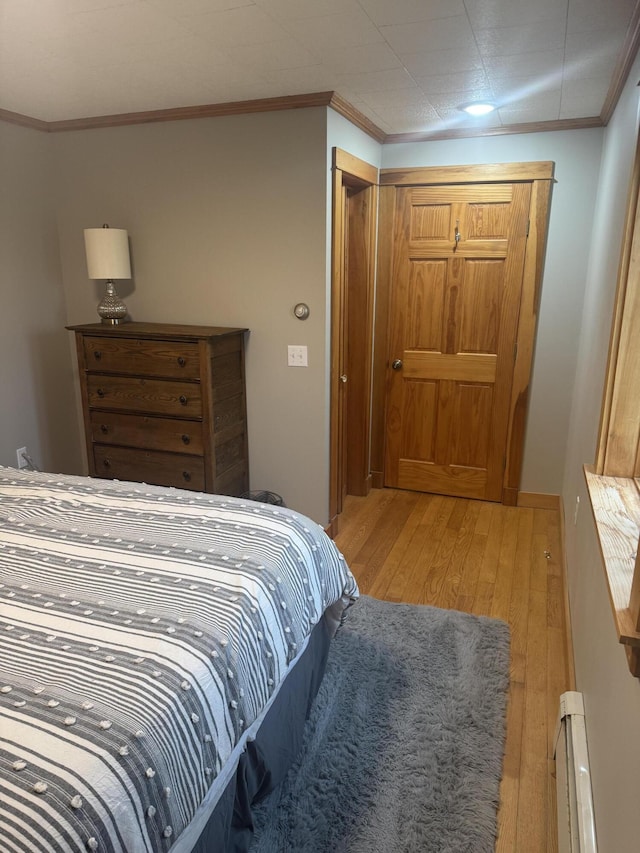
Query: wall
[[612, 696], [577, 158], [342, 134], [226, 219], [35, 370]]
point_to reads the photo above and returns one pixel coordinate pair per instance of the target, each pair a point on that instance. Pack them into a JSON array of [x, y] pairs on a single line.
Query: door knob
[[343, 378], [396, 364]]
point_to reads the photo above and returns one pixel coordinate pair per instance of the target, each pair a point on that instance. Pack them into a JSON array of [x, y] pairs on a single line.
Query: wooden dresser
[[165, 404]]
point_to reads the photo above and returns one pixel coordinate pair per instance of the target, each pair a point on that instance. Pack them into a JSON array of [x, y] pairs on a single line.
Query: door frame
[[541, 176], [352, 304]]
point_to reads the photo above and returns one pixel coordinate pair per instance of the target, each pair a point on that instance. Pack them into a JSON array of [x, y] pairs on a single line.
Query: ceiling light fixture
[[477, 108]]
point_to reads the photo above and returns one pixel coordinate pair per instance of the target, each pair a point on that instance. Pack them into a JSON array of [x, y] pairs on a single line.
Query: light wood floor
[[489, 559]]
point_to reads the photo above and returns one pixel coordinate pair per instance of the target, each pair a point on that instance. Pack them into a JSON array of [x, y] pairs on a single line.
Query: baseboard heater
[[576, 822]]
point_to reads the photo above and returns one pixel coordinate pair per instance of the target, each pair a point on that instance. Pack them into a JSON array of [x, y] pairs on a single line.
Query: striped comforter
[[142, 632]]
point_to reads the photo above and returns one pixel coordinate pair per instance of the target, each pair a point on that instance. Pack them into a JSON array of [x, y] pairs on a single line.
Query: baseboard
[[509, 496], [377, 480], [535, 500], [361, 489], [332, 528], [571, 667]]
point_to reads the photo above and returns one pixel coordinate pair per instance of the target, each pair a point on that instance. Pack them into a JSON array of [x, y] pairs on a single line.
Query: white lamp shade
[[107, 253]]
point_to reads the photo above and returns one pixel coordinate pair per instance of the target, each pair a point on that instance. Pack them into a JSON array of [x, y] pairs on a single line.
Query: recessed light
[[477, 108]]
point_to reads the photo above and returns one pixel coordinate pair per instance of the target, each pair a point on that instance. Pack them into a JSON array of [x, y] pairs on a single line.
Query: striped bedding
[[142, 633]]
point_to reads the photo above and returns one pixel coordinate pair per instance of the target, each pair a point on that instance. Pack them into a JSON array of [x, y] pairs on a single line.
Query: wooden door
[[459, 256], [343, 344], [355, 196]]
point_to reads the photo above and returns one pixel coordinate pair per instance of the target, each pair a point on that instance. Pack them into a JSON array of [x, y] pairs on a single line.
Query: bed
[[159, 652]]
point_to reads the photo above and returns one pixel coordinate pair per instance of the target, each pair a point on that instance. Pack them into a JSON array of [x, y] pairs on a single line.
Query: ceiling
[[406, 65]]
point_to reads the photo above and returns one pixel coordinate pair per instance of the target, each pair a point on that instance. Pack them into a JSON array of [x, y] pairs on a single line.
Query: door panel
[[419, 364], [470, 425], [457, 278], [419, 427], [444, 479], [426, 304], [430, 221], [479, 309]]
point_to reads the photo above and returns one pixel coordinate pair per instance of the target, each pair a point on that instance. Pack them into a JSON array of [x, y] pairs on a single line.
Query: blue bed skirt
[[266, 760]]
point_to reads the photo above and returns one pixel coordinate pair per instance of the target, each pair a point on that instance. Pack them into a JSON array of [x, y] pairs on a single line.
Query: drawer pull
[[183, 400], [186, 439], [187, 476], [104, 428], [100, 392], [181, 361], [97, 354], [106, 463]]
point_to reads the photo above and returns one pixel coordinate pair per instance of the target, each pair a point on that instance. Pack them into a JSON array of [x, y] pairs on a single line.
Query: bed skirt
[[266, 759]]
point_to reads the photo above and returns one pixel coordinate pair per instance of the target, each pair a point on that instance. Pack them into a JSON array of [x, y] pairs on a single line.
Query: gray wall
[[226, 219], [38, 408], [612, 695], [577, 158]]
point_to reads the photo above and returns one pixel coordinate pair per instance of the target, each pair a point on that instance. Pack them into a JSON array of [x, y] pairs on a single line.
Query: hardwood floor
[[488, 559]]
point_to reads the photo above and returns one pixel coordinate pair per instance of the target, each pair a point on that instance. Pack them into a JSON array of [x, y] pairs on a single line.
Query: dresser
[[165, 404]]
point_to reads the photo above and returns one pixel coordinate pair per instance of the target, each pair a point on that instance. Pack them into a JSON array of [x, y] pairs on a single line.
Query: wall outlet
[[297, 356], [21, 454]]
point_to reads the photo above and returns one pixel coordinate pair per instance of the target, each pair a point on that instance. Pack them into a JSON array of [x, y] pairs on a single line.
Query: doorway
[[355, 201]]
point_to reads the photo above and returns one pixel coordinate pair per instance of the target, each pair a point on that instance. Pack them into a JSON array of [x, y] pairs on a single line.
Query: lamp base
[[111, 308]]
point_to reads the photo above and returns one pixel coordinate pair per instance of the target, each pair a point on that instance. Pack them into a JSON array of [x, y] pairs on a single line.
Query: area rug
[[403, 749]]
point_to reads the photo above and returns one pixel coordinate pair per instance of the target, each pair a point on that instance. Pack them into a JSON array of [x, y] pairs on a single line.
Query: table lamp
[[107, 252]]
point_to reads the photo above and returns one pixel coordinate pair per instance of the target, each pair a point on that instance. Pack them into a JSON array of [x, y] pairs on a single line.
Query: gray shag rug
[[403, 748]]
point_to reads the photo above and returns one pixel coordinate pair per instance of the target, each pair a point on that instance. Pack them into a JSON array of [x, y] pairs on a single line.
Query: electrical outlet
[[297, 356], [21, 454]]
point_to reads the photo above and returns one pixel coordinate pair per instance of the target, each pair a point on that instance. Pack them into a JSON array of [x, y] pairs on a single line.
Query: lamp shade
[[107, 253]]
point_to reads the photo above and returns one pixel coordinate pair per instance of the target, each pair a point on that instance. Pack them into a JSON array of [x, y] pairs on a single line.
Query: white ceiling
[[406, 64]]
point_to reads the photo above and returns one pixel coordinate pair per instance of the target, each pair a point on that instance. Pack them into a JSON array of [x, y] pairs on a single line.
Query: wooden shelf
[[615, 502]]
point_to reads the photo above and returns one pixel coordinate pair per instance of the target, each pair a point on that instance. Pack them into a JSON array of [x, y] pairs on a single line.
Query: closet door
[[456, 288]]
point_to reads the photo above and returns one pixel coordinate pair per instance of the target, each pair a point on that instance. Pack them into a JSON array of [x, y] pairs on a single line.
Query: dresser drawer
[[172, 359], [176, 436], [152, 396], [147, 466]]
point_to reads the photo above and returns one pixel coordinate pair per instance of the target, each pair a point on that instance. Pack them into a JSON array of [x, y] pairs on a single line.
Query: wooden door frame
[[540, 175], [351, 173]]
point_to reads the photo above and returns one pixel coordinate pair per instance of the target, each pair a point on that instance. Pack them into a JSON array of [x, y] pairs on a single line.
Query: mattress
[[144, 634]]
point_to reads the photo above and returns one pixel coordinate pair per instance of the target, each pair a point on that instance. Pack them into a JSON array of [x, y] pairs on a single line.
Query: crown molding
[[466, 133], [24, 121], [292, 102], [626, 58], [262, 105], [344, 108]]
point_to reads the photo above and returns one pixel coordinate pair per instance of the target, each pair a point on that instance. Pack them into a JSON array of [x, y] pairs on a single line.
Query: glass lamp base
[[112, 309]]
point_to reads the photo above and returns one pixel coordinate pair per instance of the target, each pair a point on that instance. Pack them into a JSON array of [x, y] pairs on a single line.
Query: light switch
[[297, 356]]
